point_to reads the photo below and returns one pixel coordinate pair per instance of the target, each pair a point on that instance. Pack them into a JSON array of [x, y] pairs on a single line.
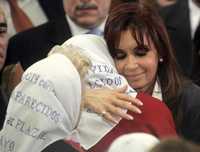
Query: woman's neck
[[147, 89]]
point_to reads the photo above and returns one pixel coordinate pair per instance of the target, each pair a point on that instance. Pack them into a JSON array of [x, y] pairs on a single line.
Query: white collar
[[76, 30], [194, 16], [157, 93]]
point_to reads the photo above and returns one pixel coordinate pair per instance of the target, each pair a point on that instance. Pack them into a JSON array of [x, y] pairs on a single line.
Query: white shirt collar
[[157, 93], [194, 16], [76, 30]]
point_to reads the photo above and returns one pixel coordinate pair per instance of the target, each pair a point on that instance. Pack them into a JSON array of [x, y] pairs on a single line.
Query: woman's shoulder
[[190, 95], [191, 89]]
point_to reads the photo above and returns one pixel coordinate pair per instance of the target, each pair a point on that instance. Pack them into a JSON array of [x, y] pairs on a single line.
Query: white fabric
[[44, 107], [31, 8], [76, 30], [102, 74], [194, 16], [157, 93], [134, 142]]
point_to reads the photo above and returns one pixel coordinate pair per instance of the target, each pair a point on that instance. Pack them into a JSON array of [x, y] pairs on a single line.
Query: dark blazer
[[59, 146], [53, 9], [34, 44], [177, 20], [196, 69], [2, 110], [190, 106]]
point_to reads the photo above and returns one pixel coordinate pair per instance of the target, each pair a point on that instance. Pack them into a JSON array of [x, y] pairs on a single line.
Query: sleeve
[[190, 102]]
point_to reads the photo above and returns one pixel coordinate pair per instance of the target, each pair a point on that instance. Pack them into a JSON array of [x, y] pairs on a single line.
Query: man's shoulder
[[40, 31]]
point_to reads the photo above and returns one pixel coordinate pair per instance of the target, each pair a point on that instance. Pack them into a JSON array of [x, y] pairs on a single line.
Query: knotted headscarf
[[44, 107]]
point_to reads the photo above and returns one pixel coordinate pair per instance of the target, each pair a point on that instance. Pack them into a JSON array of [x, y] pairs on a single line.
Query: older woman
[[45, 106]]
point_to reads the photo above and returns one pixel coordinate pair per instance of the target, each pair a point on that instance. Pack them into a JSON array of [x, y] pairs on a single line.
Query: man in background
[[81, 17], [30, 13], [182, 20]]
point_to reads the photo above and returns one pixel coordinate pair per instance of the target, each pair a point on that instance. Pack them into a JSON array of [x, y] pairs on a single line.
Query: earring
[[161, 60]]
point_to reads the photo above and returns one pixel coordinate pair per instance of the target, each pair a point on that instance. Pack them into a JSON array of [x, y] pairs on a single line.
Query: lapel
[[60, 31], [52, 8]]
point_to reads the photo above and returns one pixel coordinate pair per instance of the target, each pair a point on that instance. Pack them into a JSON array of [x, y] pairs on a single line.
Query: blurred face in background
[[87, 13], [164, 3], [138, 64], [3, 39]]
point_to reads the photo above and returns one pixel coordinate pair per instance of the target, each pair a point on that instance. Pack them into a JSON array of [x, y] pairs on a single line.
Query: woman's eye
[[141, 50], [120, 55]]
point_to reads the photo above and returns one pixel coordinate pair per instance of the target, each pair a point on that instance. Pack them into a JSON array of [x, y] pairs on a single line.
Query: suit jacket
[[177, 20], [34, 44], [52, 9], [196, 69], [2, 110], [59, 146], [190, 105]]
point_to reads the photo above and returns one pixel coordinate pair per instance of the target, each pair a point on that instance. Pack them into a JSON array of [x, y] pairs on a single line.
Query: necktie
[[20, 19], [95, 31]]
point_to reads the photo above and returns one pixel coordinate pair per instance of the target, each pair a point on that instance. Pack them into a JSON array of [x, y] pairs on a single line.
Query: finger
[[128, 106], [97, 108], [122, 89], [119, 113], [122, 113], [108, 117], [136, 101], [128, 98]]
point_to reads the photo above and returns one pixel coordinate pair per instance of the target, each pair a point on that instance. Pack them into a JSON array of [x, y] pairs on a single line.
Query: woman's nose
[[131, 62]]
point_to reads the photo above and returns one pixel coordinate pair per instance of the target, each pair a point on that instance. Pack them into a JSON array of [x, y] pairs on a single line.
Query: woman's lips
[[134, 77]]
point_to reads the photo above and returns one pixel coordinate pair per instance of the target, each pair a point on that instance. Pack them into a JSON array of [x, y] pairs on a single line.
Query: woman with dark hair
[[139, 44]]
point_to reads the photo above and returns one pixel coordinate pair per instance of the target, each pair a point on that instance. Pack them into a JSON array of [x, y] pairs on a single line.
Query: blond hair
[[81, 62]]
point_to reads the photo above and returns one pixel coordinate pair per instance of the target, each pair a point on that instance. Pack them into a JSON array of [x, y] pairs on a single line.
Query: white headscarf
[[134, 142], [103, 73], [44, 107]]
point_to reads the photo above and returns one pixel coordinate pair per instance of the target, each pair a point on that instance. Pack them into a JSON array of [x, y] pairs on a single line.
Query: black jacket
[[177, 21], [52, 8], [2, 110], [30, 46], [190, 106]]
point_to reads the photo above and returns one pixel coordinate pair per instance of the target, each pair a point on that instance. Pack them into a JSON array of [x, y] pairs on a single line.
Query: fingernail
[[141, 104], [130, 117], [139, 111], [116, 121]]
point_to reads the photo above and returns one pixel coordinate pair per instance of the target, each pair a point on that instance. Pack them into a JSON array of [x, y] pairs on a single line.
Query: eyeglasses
[[3, 28]]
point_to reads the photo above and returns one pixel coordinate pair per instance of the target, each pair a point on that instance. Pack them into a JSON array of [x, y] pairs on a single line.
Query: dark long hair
[[142, 20]]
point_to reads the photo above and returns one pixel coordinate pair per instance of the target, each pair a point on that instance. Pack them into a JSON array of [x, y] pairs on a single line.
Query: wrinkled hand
[[110, 104]]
